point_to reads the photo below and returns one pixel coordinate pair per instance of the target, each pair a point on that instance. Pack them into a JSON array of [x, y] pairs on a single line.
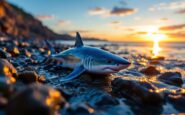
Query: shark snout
[[124, 64]]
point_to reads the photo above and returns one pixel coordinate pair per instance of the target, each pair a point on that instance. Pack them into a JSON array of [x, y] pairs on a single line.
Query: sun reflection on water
[[156, 36], [156, 47]]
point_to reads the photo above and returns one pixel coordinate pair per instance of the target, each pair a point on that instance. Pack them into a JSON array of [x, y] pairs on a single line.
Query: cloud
[[141, 33], [181, 11], [168, 6], [123, 29], [164, 19], [121, 11], [176, 35], [115, 23], [129, 29], [98, 11], [116, 11], [174, 31], [173, 27], [63, 22], [45, 17]]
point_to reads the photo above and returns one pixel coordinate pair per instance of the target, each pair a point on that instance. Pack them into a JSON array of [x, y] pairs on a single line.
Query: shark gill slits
[[89, 62], [86, 62]]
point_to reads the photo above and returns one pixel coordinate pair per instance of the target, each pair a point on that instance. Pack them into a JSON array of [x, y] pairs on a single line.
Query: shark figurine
[[83, 58]]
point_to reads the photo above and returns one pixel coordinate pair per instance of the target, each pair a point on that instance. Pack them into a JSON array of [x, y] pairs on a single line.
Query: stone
[[172, 78], [78, 109], [35, 99], [6, 88], [151, 70], [28, 77], [178, 101], [3, 54], [14, 51], [139, 92], [7, 69]]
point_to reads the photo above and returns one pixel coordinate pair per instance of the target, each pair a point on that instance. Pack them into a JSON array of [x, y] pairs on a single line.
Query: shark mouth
[[116, 69], [113, 69]]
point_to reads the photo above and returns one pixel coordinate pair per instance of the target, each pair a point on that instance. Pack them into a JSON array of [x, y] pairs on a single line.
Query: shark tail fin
[[78, 42], [51, 48]]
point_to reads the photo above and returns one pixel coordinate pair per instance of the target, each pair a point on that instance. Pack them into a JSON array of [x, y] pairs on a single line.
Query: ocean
[[171, 50]]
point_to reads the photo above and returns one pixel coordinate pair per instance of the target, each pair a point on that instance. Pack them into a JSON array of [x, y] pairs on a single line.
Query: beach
[[148, 86]]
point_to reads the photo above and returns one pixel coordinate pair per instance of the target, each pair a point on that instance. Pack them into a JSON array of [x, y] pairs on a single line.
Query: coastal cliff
[[16, 23]]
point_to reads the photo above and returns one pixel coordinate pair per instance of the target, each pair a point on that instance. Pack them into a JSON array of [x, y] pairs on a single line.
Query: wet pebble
[[154, 62], [28, 77], [172, 78], [151, 70], [105, 99], [26, 53], [35, 99], [14, 51], [3, 54], [78, 109], [6, 88], [178, 101], [3, 101], [7, 69], [139, 92]]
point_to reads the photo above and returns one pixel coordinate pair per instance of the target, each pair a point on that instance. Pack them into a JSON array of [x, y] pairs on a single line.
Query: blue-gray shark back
[[85, 58]]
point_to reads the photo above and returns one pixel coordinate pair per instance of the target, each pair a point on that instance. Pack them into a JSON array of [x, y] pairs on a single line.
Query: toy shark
[[88, 59]]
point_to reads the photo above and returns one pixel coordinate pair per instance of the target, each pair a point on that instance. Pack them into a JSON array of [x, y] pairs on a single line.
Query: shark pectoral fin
[[75, 73]]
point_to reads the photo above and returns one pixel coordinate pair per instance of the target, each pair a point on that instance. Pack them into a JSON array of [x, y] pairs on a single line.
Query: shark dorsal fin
[[78, 42]]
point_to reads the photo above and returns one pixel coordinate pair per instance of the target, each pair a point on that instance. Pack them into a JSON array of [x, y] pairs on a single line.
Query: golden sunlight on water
[[156, 48], [156, 37]]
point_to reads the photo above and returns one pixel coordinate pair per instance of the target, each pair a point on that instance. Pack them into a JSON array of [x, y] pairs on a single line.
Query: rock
[[154, 62], [42, 79], [3, 54], [105, 99], [158, 58], [178, 101], [3, 101], [14, 51], [130, 73], [7, 69], [28, 77], [78, 109], [139, 92], [26, 53], [16, 23], [151, 70], [172, 78], [24, 44], [5, 86], [35, 99]]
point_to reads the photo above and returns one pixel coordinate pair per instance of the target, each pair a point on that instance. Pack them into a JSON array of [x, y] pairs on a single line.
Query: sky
[[113, 20]]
